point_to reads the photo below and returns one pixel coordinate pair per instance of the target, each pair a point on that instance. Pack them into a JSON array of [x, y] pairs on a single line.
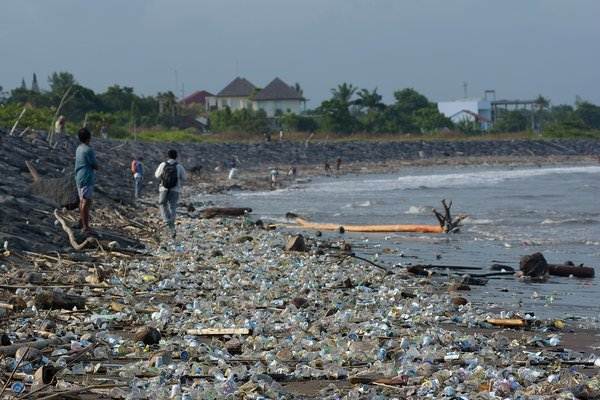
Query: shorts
[[85, 192]]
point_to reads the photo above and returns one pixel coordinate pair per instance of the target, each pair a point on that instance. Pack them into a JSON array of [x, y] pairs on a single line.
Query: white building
[[277, 97], [472, 110]]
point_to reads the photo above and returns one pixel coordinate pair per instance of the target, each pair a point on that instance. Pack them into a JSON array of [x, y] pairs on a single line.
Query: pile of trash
[[226, 312]]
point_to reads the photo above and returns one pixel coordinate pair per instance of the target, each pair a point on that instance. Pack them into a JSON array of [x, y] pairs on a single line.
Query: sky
[[520, 48]]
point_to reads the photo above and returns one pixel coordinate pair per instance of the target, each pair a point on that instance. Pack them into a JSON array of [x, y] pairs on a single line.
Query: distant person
[[338, 164], [281, 136], [327, 168], [85, 177], [172, 176], [292, 172], [274, 176], [267, 137], [104, 132], [60, 125], [137, 170]]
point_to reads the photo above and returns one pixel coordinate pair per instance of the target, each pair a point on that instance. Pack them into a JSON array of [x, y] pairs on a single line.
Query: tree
[[370, 100], [511, 121], [409, 100], [343, 93], [60, 81], [35, 87], [298, 88], [429, 119], [23, 85], [589, 114]]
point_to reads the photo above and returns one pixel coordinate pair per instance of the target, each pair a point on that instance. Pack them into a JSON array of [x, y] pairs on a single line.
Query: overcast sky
[[520, 48]]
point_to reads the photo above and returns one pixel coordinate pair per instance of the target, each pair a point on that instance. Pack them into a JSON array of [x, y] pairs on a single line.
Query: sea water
[[512, 211]]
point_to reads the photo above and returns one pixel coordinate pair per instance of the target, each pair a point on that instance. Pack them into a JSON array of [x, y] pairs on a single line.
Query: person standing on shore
[[338, 163], [137, 169], [172, 176], [85, 177]]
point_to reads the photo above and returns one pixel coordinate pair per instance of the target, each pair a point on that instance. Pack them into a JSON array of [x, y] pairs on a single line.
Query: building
[[471, 110], [236, 95], [277, 97], [196, 98]]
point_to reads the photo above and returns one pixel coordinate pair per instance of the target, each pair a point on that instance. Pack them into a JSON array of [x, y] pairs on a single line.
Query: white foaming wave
[[418, 210], [475, 221], [461, 179]]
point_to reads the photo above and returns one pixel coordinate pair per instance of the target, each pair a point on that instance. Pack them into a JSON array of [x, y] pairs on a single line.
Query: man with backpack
[[171, 175], [137, 170]]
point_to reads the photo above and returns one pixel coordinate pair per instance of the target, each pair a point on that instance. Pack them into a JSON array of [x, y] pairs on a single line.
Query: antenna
[[176, 81], [237, 67], [465, 86]]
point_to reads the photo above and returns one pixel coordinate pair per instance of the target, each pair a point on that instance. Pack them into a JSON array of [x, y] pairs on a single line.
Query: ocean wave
[[475, 221], [569, 221], [432, 181]]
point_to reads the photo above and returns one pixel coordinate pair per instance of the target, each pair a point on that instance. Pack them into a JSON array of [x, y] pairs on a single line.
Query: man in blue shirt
[[85, 177]]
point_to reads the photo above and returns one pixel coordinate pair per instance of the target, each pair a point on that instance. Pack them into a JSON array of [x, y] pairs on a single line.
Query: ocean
[[512, 211]]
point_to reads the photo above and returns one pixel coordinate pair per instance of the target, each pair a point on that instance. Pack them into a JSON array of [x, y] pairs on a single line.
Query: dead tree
[[448, 224]]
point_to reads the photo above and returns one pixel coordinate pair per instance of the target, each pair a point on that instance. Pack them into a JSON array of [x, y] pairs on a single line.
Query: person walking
[[172, 176], [85, 177], [137, 169]]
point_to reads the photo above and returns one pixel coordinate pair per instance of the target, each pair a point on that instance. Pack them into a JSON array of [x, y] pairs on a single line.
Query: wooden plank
[[218, 331]]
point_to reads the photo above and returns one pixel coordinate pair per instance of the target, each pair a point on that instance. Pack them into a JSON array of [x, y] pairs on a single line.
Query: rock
[[5, 340], [459, 301], [300, 302], [28, 353], [295, 243], [216, 253], [534, 265], [244, 239], [48, 325], [148, 335], [458, 287]]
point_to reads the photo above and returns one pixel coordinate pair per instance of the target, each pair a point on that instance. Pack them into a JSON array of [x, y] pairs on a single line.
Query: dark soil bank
[[26, 220]]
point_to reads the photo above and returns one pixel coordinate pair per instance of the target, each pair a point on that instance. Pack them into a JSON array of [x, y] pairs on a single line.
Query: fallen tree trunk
[[571, 270], [212, 212]]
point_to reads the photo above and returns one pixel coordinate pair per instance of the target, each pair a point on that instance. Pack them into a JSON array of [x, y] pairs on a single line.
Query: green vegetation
[[349, 114]]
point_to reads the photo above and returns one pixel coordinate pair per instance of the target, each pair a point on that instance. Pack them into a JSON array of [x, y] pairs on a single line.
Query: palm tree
[[298, 88], [344, 92], [371, 100]]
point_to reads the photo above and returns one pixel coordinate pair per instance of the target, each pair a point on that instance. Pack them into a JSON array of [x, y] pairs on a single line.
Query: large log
[[10, 350], [571, 270], [224, 211]]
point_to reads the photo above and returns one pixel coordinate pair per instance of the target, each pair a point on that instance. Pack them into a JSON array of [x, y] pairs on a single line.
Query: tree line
[[348, 110]]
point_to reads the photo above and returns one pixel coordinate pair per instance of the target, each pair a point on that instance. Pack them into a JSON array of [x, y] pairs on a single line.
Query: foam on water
[[462, 179]]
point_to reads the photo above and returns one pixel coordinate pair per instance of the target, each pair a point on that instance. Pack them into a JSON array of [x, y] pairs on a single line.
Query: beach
[[318, 323]]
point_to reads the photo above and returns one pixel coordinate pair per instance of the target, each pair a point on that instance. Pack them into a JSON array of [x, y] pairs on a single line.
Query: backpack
[[168, 178]]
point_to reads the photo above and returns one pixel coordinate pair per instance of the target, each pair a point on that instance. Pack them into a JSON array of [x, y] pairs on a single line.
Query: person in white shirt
[[172, 176]]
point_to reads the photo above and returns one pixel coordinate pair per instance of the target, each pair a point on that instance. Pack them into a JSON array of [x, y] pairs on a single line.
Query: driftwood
[[571, 270], [447, 223], [509, 323], [71, 235], [56, 300], [212, 212], [218, 331], [11, 350]]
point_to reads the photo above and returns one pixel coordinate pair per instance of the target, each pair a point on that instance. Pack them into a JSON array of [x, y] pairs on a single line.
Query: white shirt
[[180, 175]]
